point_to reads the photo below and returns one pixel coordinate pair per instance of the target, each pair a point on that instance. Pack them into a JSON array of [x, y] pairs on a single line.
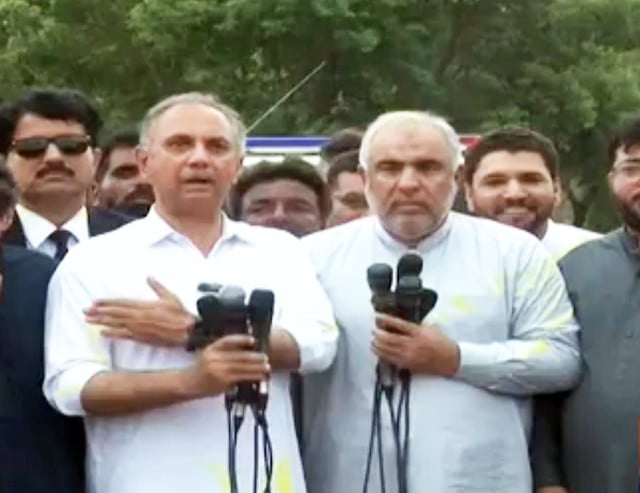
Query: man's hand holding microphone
[[400, 338], [225, 363], [224, 359]]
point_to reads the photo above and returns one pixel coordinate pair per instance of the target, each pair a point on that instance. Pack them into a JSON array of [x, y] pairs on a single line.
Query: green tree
[[564, 67]]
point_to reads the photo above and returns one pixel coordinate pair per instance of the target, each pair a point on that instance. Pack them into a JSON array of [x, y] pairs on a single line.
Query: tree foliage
[[564, 67]]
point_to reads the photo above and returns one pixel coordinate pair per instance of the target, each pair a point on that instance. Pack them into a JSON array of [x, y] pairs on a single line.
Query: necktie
[[60, 238]]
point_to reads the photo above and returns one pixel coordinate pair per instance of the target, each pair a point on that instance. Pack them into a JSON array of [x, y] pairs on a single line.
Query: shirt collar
[[433, 239], [37, 228], [550, 226], [156, 229], [630, 241]]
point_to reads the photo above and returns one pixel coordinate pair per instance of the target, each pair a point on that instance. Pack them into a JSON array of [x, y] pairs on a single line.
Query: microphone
[[408, 285], [379, 278], [206, 287], [408, 298], [232, 299], [260, 308], [210, 323], [234, 295], [414, 302], [410, 264], [235, 322], [428, 299]]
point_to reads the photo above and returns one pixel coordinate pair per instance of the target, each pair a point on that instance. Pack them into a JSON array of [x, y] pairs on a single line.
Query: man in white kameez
[[155, 413], [502, 329]]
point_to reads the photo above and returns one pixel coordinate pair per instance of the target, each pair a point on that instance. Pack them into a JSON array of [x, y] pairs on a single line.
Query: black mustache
[[141, 191], [54, 168]]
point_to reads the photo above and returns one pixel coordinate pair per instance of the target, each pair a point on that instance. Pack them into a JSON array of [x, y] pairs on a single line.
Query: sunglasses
[[34, 147]]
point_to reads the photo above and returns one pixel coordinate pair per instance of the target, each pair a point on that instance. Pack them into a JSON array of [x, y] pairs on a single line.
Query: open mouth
[[516, 211], [199, 181]]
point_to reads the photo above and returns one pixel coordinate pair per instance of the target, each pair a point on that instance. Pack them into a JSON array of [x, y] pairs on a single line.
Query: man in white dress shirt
[[511, 176], [155, 414], [501, 330]]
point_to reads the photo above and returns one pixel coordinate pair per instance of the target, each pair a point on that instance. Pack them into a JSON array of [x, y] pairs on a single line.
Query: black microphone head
[[209, 308], [410, 264], [428, 299], [261, 303], [234, 308], [232, 296], [380, 278], [210, 328], [408, 297], [206, 287]]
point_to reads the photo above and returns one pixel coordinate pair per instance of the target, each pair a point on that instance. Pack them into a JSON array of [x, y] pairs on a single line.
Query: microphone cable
[[235, 419], [234, 423], [375, 435], [402, 432], [267, 450], [375, 438]]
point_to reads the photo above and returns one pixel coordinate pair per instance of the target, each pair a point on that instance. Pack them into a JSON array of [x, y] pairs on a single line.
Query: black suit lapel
[[94, 223], [15, 234], [99, 222], [102, 221]]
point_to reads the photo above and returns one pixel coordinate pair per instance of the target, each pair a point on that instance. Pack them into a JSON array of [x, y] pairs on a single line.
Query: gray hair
[[398, 118], [152, 115]]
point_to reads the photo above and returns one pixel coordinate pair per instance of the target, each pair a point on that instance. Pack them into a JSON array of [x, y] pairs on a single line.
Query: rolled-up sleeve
[[304, 311], [542, 354], [74, 350]]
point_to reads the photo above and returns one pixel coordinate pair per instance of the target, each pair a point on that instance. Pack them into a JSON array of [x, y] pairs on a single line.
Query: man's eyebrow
[[632, 160]]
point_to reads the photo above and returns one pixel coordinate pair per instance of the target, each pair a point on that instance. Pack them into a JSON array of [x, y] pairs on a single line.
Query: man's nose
[[279, 212], [515, 190], [52, 153], [199, 154], [409, 179]]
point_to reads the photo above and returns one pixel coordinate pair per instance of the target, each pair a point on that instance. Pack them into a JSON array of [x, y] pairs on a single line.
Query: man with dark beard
[[118, 178], [586, 441], [511, 176]]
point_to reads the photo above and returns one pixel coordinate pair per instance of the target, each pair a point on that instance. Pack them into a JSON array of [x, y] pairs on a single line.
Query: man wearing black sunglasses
[[48, 138]]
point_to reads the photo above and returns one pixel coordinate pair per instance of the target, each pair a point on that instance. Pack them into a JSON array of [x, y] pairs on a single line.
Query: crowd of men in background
[[507, 396]]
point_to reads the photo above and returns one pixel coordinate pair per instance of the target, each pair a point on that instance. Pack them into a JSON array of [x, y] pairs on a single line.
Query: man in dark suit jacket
[[49, 139], [41, 451], [98, 221]]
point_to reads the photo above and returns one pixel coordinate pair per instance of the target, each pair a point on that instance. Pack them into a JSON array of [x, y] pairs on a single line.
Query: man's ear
[[363, 174], [97, 156], [6, 220], [610, 180], [93, 192], [558, 193], [459, 176], [238, 169], [468, 197], [142, 158]]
